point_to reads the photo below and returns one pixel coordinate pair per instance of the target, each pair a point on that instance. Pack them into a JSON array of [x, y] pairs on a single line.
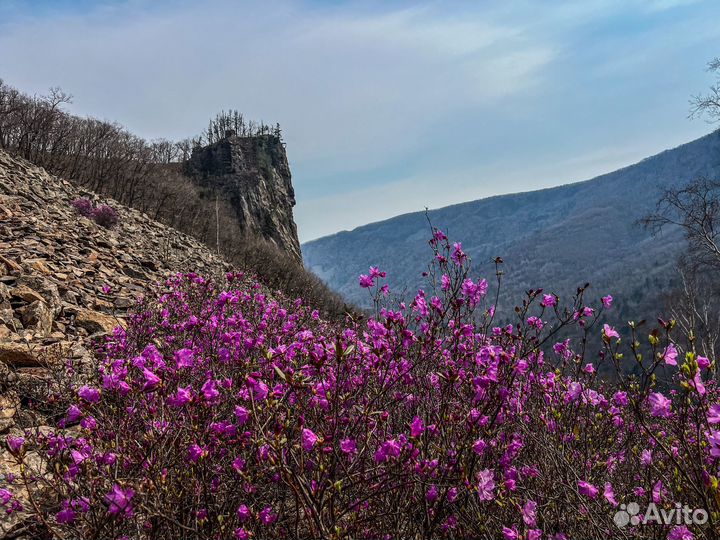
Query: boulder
[[96, 322], [37, 316], [17, 355]]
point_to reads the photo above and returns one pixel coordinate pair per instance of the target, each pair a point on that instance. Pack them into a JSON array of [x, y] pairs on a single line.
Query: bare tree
[[696, 209], [708, 104]]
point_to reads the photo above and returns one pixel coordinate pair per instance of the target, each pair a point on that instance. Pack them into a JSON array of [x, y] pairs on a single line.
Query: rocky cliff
[[253, 175], [65, 280]]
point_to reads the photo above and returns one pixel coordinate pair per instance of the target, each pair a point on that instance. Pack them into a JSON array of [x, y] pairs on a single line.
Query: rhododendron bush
[[222, 411]]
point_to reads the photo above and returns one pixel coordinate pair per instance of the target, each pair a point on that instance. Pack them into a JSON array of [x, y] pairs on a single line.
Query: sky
[[387, 107]]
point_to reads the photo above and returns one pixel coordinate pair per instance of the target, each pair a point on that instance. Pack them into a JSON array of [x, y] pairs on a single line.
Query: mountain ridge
[[514, 226]]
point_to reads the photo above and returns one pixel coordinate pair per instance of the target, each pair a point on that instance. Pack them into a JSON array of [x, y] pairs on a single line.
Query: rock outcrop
[[253, 175], [64, 279]]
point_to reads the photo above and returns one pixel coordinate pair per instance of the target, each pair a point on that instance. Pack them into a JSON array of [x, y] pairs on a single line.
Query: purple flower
[[66, 515], [181, 397], [184, 358], [510, 533], [365, 281], [266, 516], [587, 489], [714, 414], [238, 464], [152, 381], [242, 534], [196, 452], [479, 446], [309, 440], [607, 301], [242, 415], [432, 494], [243, 513], [670, 355], [105, 216], [609, 494], [610, 332], [486, 485], [259, 389], [348, 446], [119, 501], [529, 513], [89, 394], [549, 300], [417, 427], [659, 405], [83, 206], [15, 444], [209, 390], [73, 414], [680, 532]]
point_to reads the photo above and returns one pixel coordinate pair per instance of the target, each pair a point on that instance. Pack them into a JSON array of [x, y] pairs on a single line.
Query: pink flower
[[510, 533], [365, 281], [432, 494], [697, 383], [670, 355], [607, 301], [646, 457], [209, 390], [417, 427], [610, 332], [119, 501], [486, 485], [66, 515], [714, 414], [184, 358], [242, 415], [713, 437], [388, 450], [15, 444], [152, 381], [587, 489], [348, 446], [259, 389], [458, 255], [196, 453], [242, 534], [529, 513], [703, 362], [243, 513], [620, 399], [680, 532], [309, 439], [657, 492], [181, 397], [266, 516], [238, 464], [89, 394], [609, 494], [534, 534], [445, 282], [73, 414], [549, 300], [479, 446], [659, 405]]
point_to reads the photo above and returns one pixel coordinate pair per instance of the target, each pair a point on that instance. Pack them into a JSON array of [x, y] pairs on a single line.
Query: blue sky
[[387, 107]]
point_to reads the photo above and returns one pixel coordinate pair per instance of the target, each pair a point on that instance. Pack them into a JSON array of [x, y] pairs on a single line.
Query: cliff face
[[253, 175]]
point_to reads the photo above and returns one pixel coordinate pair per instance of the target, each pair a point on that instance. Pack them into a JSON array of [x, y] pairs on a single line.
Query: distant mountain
[[556, 238]]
